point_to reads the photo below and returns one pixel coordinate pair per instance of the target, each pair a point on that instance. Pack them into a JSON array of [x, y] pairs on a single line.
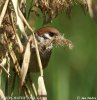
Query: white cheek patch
[[44, 37], [47, 36]]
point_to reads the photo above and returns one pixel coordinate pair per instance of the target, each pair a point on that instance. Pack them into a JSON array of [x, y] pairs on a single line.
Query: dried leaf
[[25, 63], [41, 88], [25, 66]]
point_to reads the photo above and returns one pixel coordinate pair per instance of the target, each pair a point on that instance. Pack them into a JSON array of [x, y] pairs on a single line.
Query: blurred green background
[[72, 73]]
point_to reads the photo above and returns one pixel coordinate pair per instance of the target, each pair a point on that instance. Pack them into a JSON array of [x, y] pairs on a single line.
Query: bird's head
[[50, 35]]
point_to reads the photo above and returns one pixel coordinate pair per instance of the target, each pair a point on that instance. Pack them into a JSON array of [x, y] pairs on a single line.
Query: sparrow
[[46, 37]]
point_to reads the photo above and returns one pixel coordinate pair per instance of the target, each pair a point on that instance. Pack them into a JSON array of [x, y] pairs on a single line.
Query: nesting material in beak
[[60, 40]]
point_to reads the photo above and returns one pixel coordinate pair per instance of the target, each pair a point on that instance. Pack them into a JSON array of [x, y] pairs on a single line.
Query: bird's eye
[[51, 34]]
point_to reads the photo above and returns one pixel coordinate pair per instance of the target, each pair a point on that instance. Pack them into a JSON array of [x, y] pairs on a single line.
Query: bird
[[46, 37], [43, 36]]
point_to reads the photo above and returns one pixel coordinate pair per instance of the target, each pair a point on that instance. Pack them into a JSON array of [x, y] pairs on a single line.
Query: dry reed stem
[[3, 11]]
